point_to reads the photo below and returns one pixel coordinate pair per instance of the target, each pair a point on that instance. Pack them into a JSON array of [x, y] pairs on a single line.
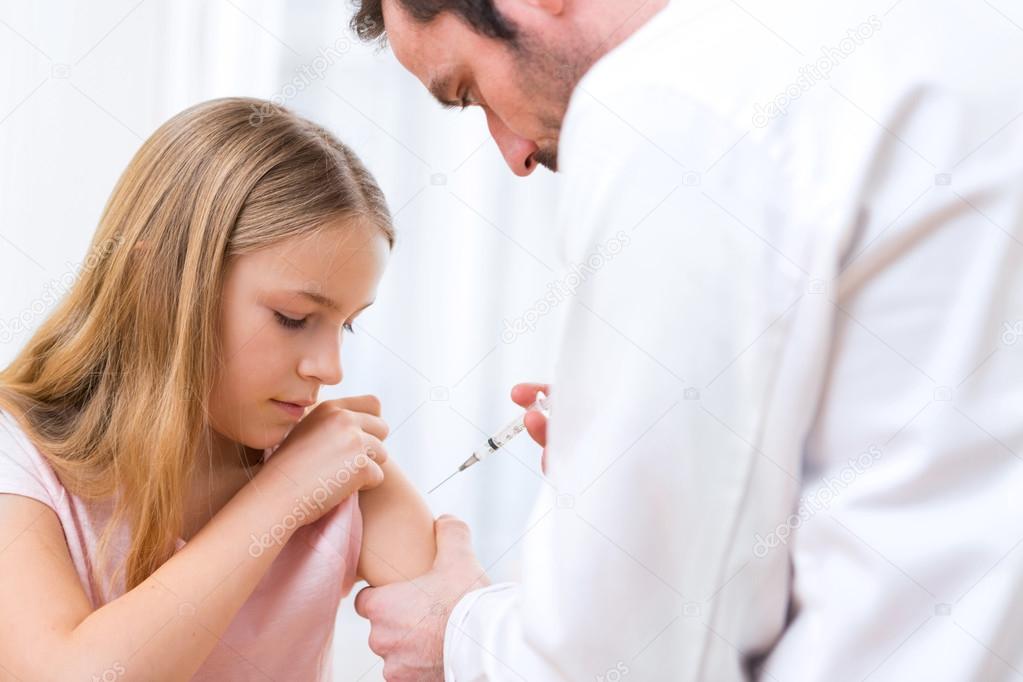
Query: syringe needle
[[444, 481], [499, 439]]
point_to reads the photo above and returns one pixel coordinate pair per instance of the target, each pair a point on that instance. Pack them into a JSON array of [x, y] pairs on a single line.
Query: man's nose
[[517, 151]]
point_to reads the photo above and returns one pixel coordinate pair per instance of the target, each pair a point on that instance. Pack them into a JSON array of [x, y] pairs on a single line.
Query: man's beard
[[549, 73]]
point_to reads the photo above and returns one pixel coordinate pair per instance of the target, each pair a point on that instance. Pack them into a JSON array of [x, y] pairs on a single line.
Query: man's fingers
[[362, 601], [536, 425], [525, 394]]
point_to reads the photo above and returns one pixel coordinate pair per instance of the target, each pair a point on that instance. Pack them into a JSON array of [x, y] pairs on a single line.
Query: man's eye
[[289, 322], [468, 100]]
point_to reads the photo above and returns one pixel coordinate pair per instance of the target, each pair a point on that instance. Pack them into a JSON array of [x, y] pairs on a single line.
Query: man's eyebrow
[[439, 87]]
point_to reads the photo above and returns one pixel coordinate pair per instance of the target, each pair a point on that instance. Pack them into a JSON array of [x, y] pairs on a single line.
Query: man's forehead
[[423, 49], [433, 67], [409, 39]]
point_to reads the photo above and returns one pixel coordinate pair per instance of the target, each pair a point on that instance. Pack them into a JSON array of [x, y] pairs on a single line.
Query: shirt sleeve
[[22, 469], [639, 563]]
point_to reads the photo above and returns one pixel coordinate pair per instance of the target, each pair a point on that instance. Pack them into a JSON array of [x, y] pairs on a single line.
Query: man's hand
[[408, 619], [536, 423]]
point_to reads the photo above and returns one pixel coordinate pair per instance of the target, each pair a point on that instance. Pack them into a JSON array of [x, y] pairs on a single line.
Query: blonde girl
[[175, 503]]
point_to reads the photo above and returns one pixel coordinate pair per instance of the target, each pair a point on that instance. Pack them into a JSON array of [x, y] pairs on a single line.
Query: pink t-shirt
[[284, 631]]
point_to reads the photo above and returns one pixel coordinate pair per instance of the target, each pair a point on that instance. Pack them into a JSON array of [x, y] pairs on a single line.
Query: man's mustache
[[548, 158]]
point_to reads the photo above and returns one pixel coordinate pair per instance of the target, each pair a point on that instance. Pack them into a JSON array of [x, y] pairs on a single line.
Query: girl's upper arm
[[41, 597], [398, 542]]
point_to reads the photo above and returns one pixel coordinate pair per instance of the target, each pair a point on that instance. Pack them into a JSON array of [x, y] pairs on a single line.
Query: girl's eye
[[289, 322], [348, 328]]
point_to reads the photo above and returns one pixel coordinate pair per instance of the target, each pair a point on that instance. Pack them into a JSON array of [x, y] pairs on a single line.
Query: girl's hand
[[332, 452], [536, 423]]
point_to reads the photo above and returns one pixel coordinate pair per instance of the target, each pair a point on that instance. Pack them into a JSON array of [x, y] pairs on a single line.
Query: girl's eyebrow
[[326, 301], [319, 298], [364, 307]]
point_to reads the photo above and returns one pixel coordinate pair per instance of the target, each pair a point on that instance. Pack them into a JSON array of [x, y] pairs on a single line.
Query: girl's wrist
[[271, 498]]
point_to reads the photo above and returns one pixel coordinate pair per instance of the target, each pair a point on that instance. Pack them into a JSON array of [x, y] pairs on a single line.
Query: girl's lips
[[291, 409]]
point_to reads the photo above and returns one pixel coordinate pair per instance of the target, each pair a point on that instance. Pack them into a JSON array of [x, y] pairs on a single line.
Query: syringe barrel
[[513, 428]]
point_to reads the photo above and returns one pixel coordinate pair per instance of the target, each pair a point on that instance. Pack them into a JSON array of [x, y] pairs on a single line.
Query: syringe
[[501, 438]]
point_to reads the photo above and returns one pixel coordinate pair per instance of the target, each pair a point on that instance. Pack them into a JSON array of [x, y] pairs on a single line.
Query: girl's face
[[285, 311]]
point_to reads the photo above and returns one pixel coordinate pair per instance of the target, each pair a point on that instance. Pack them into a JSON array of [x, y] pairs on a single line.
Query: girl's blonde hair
[[114, 387]]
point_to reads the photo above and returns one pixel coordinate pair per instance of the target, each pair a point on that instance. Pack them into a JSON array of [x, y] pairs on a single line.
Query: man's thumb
[[454, 540]]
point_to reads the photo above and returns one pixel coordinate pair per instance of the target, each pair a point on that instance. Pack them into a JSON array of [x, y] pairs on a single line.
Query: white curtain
[[85, 83]]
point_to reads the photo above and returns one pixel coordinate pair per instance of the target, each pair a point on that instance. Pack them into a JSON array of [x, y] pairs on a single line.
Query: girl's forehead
[[333, 245], [326, 261]]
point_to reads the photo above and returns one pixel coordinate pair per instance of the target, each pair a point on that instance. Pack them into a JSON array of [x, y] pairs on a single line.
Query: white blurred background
[[83, 84]]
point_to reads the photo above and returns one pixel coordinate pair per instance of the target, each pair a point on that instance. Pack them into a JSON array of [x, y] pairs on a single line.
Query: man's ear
[[552, 7]]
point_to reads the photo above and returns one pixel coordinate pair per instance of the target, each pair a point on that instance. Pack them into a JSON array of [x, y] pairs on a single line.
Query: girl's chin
[[268, 435]]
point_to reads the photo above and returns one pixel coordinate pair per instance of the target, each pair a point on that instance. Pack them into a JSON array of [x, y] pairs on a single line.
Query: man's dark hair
[[481, 15]]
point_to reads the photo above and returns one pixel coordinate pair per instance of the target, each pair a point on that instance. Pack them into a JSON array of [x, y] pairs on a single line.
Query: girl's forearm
[[398, 542], [164, 628]]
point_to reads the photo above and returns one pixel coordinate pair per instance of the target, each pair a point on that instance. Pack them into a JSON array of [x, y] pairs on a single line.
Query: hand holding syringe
[[502, 437]]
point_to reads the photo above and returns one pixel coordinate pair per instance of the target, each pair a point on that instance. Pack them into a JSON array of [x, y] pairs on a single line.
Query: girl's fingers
[[536, 425], [525, 394], [374, 448], [372, 477], [372, 425], [369, 404]]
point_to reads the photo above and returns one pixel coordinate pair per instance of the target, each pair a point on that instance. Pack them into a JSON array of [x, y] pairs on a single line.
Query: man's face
[[522, 87]]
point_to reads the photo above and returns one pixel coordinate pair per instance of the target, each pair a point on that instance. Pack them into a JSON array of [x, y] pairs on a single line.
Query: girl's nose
[[517, 151], [324, 365]]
